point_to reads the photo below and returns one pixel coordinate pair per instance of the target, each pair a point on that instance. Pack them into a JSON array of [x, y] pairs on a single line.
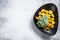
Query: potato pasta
[[45, 19]]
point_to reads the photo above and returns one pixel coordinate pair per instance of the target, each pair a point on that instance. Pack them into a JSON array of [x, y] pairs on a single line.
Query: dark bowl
[[53, 7]]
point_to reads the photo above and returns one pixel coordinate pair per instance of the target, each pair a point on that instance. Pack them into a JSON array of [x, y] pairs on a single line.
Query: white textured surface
[[19, 24]]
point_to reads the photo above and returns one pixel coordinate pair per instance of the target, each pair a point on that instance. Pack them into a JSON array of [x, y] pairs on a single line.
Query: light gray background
[[18, 23]]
